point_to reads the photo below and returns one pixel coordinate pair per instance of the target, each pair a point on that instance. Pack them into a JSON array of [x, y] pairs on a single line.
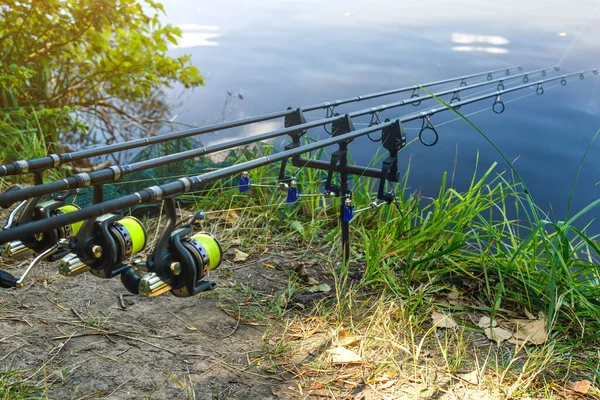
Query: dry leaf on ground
[[580, 386], [232, 217], [442, 321], [530, 332], [239, 255], [344, 338], [498, 335], [471, 377], [484, 322], [341, 355], [323, 288]]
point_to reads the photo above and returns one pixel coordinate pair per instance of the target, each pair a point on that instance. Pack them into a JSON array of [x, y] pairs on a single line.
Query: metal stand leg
[[345, 225]]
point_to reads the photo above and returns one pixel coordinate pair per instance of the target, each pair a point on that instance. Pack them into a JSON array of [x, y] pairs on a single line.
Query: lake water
[[292, 53]]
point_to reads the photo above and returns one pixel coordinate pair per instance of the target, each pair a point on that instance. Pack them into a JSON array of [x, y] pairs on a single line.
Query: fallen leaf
[[580, 386], [453, 295], [325, 288], [498, 335], [528, 314], [191, 328], [312, 281], [471, 377], [344, 338], [302, 272], [388, 384], [484, 322], [239, 255], [442, 321], [269, 266], [379, 379], [232, 217], [341, 355], [532, 332]]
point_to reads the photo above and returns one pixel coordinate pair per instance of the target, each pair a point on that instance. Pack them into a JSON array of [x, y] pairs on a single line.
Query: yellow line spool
[[69, 208], [213, 248], [137, 232]]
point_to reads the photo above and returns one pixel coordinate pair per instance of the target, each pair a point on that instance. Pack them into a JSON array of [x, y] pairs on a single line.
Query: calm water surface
[[293, 53]]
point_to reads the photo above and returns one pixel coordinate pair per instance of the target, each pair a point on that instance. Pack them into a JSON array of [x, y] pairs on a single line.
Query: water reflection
[[193, 35], [468, 39], [491, 50], [295, 52]]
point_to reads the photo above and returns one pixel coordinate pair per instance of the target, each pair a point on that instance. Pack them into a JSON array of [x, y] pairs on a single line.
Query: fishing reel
[[180, 261], [103, 245], [34, 210]]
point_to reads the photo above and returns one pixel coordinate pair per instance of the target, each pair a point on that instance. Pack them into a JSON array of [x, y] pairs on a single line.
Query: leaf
[[344, 338], [341, 355], [312, 281], [297, 225], [232, 217], [498, 335], [532, 332], [442, 321], [324, 288], [239, 255], [471, 377], [581, 387], [484, 322]]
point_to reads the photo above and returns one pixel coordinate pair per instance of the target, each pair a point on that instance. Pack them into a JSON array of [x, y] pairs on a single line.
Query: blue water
[[292, 53]]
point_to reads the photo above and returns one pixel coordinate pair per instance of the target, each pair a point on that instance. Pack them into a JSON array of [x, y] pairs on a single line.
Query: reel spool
[[180, 260], [102, 245], [43, 240]]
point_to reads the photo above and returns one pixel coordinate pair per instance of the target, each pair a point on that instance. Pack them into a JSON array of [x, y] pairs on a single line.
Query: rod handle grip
[[7, 280]]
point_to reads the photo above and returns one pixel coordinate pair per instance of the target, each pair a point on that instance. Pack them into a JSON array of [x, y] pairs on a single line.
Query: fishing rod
[[180, 261], [296, 125], [186, 184], [56, 160]]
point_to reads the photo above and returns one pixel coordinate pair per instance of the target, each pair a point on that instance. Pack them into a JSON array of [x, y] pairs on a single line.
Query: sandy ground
[[85, 337]]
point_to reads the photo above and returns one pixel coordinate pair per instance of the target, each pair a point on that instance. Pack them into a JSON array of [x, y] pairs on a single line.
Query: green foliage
[[67, 66]]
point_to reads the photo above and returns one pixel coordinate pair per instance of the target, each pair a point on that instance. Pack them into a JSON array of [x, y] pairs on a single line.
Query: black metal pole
[[55, 160], [183, 185], [345, 225]]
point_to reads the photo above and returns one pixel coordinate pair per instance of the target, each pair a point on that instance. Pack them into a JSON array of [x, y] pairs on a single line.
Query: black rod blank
[[55, 160], [183, 185], [114, 173]]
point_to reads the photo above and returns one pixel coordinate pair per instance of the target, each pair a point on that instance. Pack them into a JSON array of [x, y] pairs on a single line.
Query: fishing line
[[583, 28]]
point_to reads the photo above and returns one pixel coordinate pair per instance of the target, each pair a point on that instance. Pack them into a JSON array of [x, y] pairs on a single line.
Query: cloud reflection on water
[[193, 35], [465, 39]]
